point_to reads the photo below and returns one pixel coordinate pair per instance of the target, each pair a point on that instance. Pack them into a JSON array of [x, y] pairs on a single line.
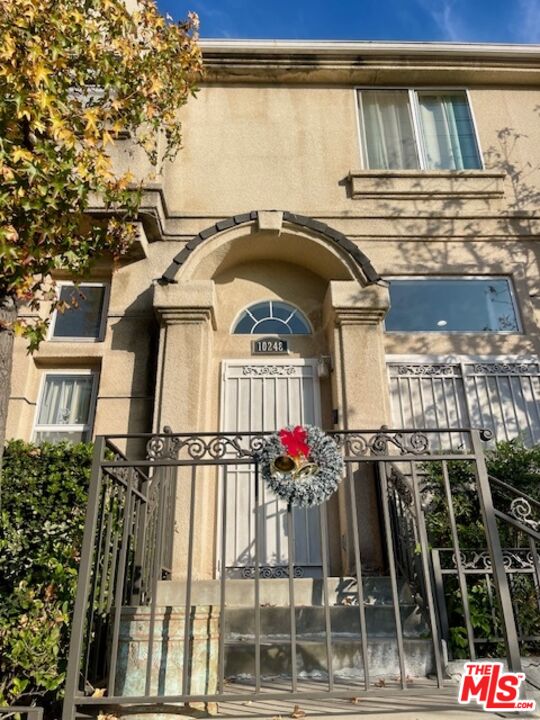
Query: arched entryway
[[213, 378]]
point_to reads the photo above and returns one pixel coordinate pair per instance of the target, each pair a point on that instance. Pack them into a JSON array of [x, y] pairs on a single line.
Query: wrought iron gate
[[151, 612]]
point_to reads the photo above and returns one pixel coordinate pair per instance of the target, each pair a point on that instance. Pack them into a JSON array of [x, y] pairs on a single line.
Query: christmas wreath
[[302, 465]]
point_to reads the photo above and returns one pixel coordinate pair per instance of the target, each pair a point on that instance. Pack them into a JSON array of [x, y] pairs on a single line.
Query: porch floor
[[422, 701]]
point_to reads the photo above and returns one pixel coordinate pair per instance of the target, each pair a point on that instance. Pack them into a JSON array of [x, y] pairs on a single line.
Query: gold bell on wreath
[[299, 468], [284, 463]]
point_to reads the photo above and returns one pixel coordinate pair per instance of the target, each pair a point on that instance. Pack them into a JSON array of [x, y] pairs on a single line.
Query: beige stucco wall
[[282, 147], [293, 147], [272, 145]]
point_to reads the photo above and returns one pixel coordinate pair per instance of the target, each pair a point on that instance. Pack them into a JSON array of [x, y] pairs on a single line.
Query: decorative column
[[187, 318], [353, 320]]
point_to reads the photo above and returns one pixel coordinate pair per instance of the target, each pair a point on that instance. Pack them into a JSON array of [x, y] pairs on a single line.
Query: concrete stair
[[310, 621], [275, 627], [275, 592], [311, 650]]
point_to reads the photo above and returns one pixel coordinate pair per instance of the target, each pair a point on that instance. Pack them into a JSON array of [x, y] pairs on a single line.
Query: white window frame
[[85, 428], [264, 300], [513, 297], [104, 310], [414, 109]]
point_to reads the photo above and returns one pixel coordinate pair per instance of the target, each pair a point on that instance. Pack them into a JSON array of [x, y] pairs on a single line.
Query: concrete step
[[275, 592], [311, 658], [310, 621]]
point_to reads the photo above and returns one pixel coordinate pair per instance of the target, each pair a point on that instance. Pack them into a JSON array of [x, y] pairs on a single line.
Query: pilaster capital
[[189, 303], [358, 316], [347, 303]]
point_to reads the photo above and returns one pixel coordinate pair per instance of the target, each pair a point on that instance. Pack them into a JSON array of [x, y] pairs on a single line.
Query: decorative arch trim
[[338, 238]]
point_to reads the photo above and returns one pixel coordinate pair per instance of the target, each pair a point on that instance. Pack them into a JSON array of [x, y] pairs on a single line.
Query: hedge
[[44, 491]]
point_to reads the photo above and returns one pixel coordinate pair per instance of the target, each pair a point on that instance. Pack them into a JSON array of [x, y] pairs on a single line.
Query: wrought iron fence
[[518, 520], [158, 620]]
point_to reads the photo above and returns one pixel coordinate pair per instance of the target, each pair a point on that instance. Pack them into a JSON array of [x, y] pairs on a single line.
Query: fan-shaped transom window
[[272, 317]]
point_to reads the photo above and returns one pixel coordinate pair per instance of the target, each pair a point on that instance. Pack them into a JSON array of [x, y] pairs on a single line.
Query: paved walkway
[[423, 702], [407, 706]]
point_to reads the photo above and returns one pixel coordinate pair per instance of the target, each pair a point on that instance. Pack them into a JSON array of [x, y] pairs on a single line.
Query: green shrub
[[44, 490]]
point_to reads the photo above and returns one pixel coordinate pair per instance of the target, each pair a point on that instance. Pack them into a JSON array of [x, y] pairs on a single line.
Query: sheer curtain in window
[[66, 400], [390, 143], [447, 132]]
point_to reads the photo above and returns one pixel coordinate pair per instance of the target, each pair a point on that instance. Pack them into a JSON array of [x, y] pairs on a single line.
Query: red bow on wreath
[[295, 441]]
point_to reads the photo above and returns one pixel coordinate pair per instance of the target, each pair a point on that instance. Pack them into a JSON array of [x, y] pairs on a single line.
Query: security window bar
[[418, 130], [66, 407], [500, 394], [82, 314], [271, 317], [452, 305]]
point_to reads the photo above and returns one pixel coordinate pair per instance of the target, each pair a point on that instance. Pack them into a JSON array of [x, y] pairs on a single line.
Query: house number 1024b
[[269, 346]]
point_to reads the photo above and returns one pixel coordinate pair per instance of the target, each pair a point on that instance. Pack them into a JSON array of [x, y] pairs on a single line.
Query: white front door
[[266, 396]]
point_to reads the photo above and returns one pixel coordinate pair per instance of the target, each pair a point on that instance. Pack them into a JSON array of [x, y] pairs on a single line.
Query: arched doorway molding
[[276, 223], [352, 307]]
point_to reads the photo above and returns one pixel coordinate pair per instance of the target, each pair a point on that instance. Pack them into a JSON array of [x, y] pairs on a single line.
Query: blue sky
[[454, 20]]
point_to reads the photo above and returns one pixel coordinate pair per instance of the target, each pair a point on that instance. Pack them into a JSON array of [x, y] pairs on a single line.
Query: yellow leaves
[[21, 154], [123, 182], [9, 234], [81, 74], [61, 132], [156, 85], [82, 170], [7, 174], [117, 127], [103, 166], [117, 104], [18, 328], [8, 47], [91, 118], [24, 113], [77, 17], [43, 99], [106, 138], [41, 73]]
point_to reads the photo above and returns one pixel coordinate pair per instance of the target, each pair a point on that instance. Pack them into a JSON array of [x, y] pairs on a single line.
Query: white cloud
[[442, 12], [528, 22]]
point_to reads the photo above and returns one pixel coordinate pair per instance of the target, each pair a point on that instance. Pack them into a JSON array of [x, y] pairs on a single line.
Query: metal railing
[[154, 619], [518, 518]]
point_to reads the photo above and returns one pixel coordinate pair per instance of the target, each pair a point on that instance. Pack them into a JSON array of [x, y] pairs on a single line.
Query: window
[[418, 129], [66, 407], [452, 305], [271, 318], [84, 317]]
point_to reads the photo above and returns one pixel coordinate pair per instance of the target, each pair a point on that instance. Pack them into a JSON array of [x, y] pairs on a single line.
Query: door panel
[[266, 396]]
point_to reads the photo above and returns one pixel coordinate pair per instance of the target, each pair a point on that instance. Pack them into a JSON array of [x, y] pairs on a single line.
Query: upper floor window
[[452, 305], [418, 129], [84, 317], [271, 317], [66, 406]]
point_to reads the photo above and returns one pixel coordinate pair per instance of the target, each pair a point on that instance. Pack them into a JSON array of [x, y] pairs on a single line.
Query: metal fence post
[[495, 551], [83, 582]]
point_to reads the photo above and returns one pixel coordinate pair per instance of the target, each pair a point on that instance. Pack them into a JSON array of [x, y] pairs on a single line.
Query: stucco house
[[349, 238]]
